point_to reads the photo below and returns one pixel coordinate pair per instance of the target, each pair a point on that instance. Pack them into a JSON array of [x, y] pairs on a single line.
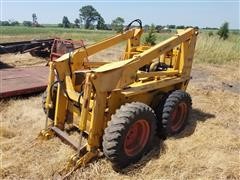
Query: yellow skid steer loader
[[120, 106]]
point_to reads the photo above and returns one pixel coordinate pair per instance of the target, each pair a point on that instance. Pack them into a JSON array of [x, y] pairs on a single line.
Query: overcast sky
[[202, 13]]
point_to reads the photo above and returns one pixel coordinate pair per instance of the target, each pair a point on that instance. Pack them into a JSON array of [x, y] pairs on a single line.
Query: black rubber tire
[[118, 127], [172, 102], [154, 66], [159, 112], [51, 112]]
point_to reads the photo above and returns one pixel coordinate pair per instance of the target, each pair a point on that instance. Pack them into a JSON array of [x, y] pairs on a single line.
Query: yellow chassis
[[90, 92]]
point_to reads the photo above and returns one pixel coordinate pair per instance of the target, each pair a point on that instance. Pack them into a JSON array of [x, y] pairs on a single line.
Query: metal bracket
[[46, 134]]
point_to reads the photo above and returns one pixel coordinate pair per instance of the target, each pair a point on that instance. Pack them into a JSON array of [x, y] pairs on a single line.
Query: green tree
[[180, 27], [223, 31], [14, 23], [34, 19], [196, 27], [117, 24], [101, 23], [77, 23], [60, 25], [66, 23], [89, 15], [151, 37], [27, 23], [146, 27], [159, 28], [171, 26], [5, 23]]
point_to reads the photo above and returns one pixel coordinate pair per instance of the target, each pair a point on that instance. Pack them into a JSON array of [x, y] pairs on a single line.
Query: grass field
[[217, 51], [208, 148], [26, 33], [209, 49], [22, 33]]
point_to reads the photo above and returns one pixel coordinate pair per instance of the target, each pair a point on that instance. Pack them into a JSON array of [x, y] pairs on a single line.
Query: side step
[[65, 137]]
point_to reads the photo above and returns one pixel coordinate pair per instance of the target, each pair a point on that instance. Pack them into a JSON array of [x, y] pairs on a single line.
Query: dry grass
[[217, 51], [207, 149], [21, 60]]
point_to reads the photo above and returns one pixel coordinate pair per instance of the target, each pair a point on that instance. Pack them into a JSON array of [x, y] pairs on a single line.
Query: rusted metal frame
[[25, 46], [65, 137]]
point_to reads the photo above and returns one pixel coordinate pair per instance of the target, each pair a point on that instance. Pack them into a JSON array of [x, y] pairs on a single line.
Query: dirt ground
[[207, 149]]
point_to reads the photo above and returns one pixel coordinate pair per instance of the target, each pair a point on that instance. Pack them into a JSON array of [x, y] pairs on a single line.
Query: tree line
[[33, 23], [90, 18]]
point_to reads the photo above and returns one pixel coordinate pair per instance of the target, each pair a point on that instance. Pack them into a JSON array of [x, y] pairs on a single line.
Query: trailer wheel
[[54, 96], [129, 134], [175, 112]]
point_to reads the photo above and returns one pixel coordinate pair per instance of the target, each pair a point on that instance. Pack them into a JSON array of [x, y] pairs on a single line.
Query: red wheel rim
[[137, 137], [178, 116]]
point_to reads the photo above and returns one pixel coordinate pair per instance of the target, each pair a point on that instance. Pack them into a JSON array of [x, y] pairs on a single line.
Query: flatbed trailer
[[40, 48], [26, 80], [23, 80]]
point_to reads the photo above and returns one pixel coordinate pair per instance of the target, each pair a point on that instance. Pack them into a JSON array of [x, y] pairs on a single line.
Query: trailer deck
[[23, 80], [26, 80]]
